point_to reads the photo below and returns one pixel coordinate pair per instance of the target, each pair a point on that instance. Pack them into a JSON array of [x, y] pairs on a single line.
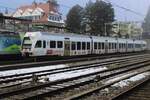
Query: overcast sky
[[140, 6]]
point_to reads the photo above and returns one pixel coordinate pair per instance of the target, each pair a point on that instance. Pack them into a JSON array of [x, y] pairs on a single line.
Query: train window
[[95, 45], [109, 45], [83, 45], [78, 45], [44, 44], [128, 45], [103, 46], [73, 46], [131, 46], [119, 45], [52, 44], [112, 45], [88, 45], [38, 44], [59, 44], [115, 46], [99, 45]]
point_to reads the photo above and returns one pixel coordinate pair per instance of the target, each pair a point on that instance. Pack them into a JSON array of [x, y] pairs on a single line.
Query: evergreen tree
[[74, 19], [98, 15], [1, 18], [53, 2], [146, 24]]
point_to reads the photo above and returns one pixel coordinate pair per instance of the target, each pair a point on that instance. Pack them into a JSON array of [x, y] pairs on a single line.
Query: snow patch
[[117, 78], [72, 74], [28, 70], [132, 79]]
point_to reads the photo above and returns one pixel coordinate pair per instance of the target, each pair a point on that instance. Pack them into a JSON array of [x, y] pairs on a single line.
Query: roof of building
[[45, 8]]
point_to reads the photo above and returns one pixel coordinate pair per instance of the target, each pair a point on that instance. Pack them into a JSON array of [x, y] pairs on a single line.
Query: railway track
[[139, 91], [24, 76], [33, 62], [36, 90]]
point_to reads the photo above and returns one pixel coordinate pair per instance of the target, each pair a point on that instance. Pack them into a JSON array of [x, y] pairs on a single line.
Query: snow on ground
[[132, 79], [71, 74], [118, 78], [28, 70]]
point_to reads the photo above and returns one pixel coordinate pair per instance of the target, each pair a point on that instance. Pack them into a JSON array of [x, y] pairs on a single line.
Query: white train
[[44, 43]]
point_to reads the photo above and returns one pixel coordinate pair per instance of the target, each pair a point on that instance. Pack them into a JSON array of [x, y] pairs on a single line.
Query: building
[[130, 29], [40, 14]]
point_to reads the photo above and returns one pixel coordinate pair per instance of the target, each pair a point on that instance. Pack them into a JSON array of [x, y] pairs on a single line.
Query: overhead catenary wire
[[125, 8], [69, 7]]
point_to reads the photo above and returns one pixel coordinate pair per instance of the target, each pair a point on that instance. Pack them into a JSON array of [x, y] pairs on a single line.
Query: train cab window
[[59, 44], [73, 46], [99, 45], [88, 45], [52, 44], [95, 45], [44, 44], [78, 45], [83, 45], [38, 44]]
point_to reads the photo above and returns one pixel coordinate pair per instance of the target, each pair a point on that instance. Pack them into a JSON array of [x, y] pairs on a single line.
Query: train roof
[[59, 36], [78, 37], [56, 34]]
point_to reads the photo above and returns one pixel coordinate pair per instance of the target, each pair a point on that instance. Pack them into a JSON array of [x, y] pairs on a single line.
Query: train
[[10, 43], [70, 44]]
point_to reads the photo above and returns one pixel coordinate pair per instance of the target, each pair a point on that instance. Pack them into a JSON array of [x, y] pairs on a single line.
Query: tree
[[1, 18], [53, 2], [146, 24], [99, 16], [74, 19]]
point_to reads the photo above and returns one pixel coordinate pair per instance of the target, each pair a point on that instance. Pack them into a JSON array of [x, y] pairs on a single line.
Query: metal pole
[[105, 30]]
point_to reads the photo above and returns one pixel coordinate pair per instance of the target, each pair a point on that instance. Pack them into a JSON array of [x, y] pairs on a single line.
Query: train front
[[27, 43]]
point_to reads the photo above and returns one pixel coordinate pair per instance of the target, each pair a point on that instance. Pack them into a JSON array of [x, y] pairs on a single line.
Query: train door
[[106, 46], [67, 47]]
